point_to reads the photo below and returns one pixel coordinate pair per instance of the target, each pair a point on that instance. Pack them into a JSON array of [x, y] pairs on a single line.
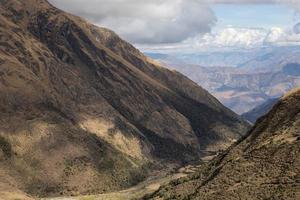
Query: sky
[[194, 25], [255, 15]]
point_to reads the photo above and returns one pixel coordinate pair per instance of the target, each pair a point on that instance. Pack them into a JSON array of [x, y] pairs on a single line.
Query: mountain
[[224, 58], [241, 89], [263, 165], [260, 110], [270, 59], [241, 79], [291, 69], [83, 111], [259, 59]]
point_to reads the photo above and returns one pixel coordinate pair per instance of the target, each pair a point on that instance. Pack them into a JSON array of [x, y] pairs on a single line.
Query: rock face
[[263, 165], [83, 111], [260, 110]]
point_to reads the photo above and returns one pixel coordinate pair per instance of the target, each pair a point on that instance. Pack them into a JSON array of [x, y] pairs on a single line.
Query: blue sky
[[254, 15]]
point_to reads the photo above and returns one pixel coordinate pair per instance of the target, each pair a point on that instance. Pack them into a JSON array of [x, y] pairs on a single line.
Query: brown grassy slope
[[82, 111], [265, 165]]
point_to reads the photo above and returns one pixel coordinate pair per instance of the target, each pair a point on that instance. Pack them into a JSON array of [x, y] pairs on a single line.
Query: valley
[[85, 115], [268, 156], [84, 112], [145, 188], [245, 86], [265, 164]]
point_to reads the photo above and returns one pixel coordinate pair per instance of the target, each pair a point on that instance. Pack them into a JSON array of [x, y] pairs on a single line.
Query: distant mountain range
[[209, 59], [268, 74], [264, 58], [260, 110]]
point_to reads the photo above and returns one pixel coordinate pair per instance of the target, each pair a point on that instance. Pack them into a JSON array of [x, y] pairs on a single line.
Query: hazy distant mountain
[[291, 69], [209, 59], [83, 111], [238, 89], [272, 59], [264, 165], [260, 110], [271, 74], [262, 59]]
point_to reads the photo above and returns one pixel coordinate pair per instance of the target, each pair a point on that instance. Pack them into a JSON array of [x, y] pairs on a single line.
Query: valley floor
[[146, 187]]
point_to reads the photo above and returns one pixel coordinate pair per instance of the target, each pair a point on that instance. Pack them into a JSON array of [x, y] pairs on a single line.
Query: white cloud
[[274, 35], [155, 21], [232, 37], [177, 24], [227, 38], [280, 37]]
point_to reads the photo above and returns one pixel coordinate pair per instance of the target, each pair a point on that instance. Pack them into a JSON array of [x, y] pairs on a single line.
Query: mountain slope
[[259, 111], [83, 111], [264, 165]]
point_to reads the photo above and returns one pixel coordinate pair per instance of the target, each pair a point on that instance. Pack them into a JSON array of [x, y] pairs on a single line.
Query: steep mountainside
[[83, 111], [263, 165], [260, 110]]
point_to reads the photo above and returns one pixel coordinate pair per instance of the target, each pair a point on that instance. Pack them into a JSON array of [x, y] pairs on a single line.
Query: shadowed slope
[[264, 165]]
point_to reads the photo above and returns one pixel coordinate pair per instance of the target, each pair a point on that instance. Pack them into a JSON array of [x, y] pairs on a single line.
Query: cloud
[[235, 37], [155, 21], [232, 37], [167, 24], [275, 35], [227, 38], [280, 37]]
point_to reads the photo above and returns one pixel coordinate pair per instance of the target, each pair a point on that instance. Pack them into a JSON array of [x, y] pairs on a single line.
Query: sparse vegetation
[[5, 146]]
